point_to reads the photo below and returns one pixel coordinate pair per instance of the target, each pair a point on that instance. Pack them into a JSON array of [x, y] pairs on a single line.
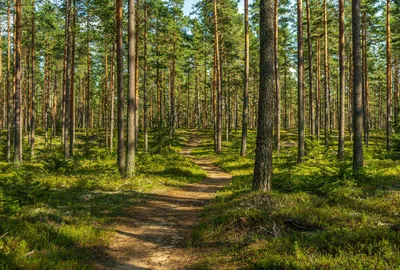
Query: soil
[[156, 235]]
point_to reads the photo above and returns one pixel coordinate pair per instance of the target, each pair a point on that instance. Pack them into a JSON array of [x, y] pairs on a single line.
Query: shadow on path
[[155, 235]]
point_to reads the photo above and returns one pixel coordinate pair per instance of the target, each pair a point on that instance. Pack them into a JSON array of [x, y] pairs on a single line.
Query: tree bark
[[145, 102], [300, 82], [342, 80], [72, 101], [318, 94], [18, 92], [243, 148], [357, 91], [217, 66], [131, 131], [67, 83], [120, 89], [263, 160], [9, 124], [112, 99], [326, 77], [33, 84], [277, 85], [310, 68], [388, 79], [88, 62]]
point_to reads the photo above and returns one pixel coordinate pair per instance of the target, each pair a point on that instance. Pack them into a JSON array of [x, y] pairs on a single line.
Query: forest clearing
[[199, 134]]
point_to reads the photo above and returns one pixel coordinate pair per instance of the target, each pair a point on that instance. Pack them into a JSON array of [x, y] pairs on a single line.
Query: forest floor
[[181, 211], [156, 235]]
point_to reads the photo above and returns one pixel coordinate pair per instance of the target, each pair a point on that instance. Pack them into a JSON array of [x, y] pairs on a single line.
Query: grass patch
[[317, 215]]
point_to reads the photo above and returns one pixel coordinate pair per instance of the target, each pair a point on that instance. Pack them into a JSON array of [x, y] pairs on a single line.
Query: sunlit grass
[[317, 216]]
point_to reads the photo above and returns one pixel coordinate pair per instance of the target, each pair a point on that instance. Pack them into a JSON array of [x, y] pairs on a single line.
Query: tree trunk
[[277, 85], [342, 80], [136, 75], [87, 120], [243, 148], [263, 160], [300, 82], [217, 66], [145, 106], [310, 68], [365, 79], [72, 101], [357, 91], [112, 99], [326, 78], [9, 124], [33, 85], [318, 95], [131, 131], [388, 79], [18, 92], [120, 89], [67, 83]]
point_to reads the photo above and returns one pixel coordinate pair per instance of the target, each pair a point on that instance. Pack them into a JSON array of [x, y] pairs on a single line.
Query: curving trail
[[154, 235]]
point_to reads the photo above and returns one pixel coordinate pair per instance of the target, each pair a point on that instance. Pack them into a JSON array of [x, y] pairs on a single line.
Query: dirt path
[[154, 235]]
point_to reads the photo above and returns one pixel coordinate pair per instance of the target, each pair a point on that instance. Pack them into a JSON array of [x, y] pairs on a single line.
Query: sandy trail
[[155, 235]]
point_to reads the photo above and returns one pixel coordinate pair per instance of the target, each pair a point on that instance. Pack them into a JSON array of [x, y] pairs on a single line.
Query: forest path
[[155, 235]]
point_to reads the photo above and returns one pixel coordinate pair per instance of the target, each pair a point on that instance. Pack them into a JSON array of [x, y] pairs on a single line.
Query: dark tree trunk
[[263, 160], [9, 124], [72, 101], [388, 79], [357, 91], [318, 95], [342, 80], [218, 97], [277, 85], [33, 85], [87, 120], [300, 82], [18, 92], [120, 90], [243, 148], [145, 102], [112, 99], [326, 77], [310, 68]]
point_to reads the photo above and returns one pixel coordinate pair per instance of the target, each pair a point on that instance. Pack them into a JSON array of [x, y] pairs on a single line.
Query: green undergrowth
[[57, 214], [317, 216]]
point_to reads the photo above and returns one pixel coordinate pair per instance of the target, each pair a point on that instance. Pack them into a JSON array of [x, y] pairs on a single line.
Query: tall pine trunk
[[120, 89], [18, 91], [9, 124], [277, 85], [342, 79], [33, 84], [263, 160], [310, 68], [388, 79], [300, 82], [67, 83], [243, 148], [131, 131], [72, 101], [145, 102], [357, 91], [326, 77]]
